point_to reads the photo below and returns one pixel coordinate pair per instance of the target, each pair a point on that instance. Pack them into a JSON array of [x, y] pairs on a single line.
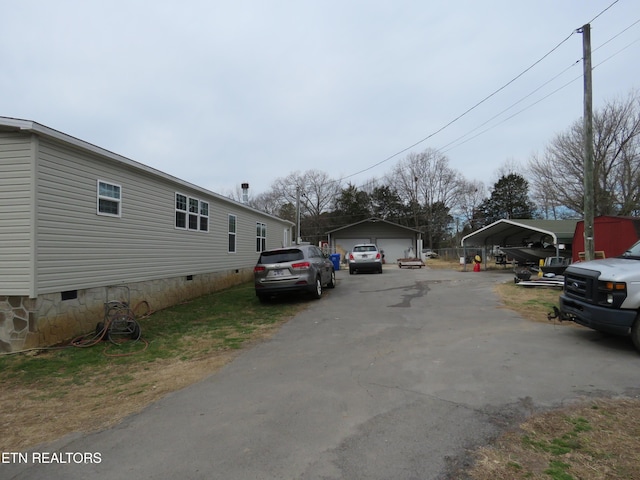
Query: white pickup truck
[[605, 294]]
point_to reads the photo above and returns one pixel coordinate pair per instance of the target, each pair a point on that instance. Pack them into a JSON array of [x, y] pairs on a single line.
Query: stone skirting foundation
[[49, 320]]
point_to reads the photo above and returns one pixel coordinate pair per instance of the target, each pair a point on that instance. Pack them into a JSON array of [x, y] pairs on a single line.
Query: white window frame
[[108, 198], [181, 211], [232, 234], [203, 219], [195, 214], [261, 237]]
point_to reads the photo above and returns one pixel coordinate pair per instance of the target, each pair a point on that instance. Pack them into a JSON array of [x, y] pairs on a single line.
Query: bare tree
[[426, 183], [557, 175], [469, 195], [509, 166], [317, 192], [269, 202]]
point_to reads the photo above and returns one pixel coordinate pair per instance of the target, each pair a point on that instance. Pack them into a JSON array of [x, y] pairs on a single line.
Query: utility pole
[[589, 246], [298, 238]]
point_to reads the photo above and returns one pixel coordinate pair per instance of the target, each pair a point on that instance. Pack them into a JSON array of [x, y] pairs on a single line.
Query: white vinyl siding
[[79, 249], [16, 214]]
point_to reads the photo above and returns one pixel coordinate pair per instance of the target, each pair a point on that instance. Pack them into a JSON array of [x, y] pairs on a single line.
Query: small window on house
[[204, 216], [232, 233], [109, 199], [261, 237], [181, 211], [193, 214]]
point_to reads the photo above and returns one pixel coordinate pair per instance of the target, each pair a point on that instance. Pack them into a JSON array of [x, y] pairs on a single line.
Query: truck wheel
[[635, 333]]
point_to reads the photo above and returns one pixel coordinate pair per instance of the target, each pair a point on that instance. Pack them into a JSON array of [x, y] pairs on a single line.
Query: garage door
[[395, 248]]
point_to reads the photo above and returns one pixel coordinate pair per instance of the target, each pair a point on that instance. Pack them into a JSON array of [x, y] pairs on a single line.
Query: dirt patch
[[597, 439], [39, 413]]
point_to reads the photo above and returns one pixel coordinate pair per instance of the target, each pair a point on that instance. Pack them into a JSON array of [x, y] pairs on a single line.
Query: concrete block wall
[[48, 320]]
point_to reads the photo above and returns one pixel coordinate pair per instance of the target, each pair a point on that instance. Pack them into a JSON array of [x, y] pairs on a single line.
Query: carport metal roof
[[519, 232]]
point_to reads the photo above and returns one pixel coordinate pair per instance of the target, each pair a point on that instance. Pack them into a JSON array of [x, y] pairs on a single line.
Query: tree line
[[424, 192]]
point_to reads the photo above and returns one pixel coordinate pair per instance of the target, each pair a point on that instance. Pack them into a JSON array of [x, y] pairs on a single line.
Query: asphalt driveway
[[393, 376]]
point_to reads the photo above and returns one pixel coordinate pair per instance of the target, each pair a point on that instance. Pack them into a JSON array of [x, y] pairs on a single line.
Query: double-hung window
[[204, 216], [109, 199], [232, 233], [191, 213], [261, 237], [181, 211]]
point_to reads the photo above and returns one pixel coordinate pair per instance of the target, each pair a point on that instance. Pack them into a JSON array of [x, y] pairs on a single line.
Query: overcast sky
[[223, 92]]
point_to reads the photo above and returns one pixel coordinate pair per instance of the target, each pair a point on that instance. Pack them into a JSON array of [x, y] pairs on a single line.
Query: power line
[[465, 112], [616, 1], [477, 104], [536, 90]]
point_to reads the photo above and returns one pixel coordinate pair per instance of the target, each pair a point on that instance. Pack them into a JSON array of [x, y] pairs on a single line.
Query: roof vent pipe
[[245, 193]]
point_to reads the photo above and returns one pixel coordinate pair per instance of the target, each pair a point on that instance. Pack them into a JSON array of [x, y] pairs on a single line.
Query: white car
[[365, 256]]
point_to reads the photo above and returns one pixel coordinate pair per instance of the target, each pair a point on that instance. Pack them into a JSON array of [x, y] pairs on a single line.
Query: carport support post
[[464, 254]]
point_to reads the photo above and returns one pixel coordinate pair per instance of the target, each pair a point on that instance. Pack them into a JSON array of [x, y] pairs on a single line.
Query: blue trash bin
[[335, 259]]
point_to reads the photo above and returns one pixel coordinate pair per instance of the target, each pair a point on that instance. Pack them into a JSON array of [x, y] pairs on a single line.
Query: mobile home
[[77, 220]]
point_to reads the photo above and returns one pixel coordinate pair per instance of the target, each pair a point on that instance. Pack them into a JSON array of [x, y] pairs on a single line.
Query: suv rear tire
[[317, 291], [332, 280]]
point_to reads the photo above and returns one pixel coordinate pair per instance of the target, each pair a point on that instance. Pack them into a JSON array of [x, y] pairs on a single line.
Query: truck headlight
[[612, 293]]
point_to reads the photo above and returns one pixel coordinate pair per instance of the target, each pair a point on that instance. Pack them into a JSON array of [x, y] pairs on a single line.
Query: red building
[[612, 235]]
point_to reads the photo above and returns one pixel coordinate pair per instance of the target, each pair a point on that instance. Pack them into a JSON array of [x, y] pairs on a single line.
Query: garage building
[[396, 241]]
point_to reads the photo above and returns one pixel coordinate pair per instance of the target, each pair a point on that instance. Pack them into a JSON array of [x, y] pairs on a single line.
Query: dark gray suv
[[295, 269]]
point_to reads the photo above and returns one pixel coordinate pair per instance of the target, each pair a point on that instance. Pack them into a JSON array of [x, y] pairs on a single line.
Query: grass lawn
[[50, 393]]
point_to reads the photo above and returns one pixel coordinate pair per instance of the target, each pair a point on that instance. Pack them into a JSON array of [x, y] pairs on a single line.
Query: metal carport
[[519, 232]]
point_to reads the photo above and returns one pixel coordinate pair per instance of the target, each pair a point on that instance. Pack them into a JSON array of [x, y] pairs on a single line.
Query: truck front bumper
[[614, 321]]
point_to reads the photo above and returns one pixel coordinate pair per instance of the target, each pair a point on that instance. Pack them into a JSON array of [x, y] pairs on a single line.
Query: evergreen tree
[[438, 225], [387, 204], [509, 200], [352, 205]]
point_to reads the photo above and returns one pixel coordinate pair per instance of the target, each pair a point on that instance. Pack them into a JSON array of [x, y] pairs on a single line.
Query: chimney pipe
[[245, 193]]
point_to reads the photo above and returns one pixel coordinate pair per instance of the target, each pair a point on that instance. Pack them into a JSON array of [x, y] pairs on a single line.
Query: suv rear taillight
[[378, 256], [351, 256], [301, 266], [257, 269]]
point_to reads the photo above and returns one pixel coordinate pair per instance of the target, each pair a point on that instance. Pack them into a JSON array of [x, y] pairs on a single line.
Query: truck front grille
[[580, 286]]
